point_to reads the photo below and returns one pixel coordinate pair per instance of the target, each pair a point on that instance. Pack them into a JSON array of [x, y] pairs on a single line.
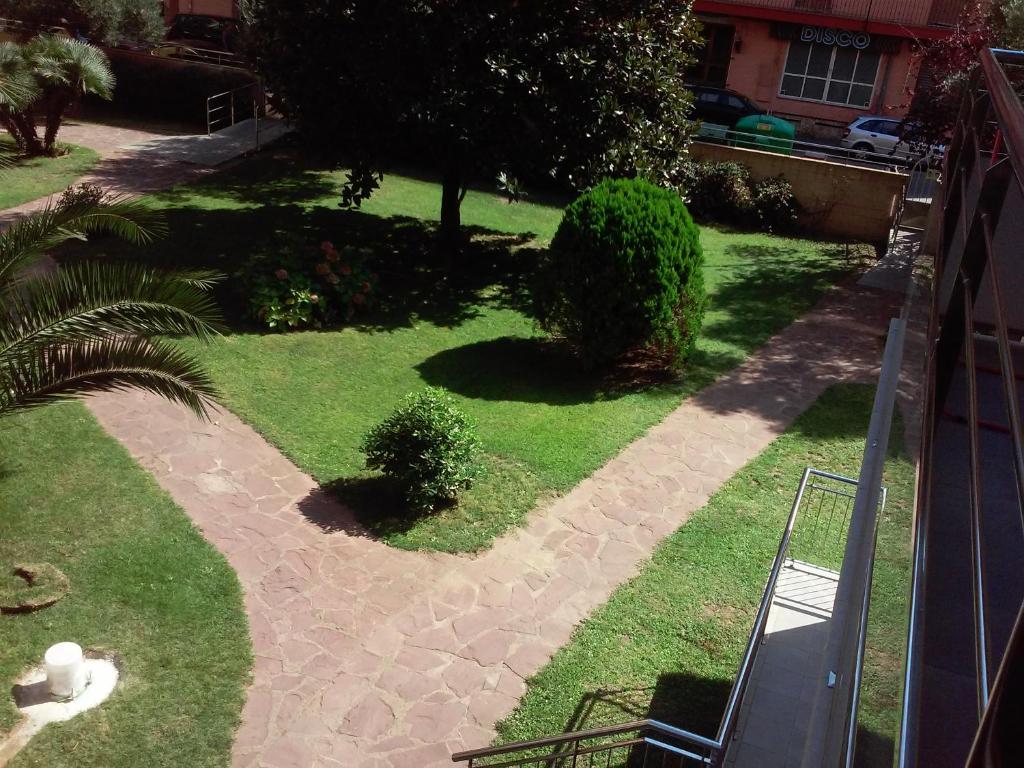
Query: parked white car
[[882, 136]]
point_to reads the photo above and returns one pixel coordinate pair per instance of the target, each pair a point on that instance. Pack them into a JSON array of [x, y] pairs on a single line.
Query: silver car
[[882, 136]]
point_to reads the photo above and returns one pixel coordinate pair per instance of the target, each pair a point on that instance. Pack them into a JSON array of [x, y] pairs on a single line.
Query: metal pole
[[977, 555]]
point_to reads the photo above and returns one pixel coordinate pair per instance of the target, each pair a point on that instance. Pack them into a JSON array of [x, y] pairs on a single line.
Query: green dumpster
[[764, 132]]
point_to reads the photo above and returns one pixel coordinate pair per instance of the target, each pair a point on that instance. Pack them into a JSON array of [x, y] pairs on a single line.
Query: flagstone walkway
[[135, 161], [371, 657]]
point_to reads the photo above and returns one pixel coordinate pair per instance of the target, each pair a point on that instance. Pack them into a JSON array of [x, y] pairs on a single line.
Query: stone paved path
[[370, 657], [121, 167], [135, 161]]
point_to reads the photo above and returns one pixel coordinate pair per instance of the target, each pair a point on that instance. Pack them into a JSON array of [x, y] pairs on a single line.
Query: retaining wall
[[842, 201]]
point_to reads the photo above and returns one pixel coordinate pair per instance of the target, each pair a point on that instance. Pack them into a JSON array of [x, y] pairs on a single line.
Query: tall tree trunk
[[11, 126], [56, 107], [451, 202], [27, 128]]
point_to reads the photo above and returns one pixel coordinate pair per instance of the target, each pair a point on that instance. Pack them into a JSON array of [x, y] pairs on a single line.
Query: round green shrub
[[624, 272], [428, 446]]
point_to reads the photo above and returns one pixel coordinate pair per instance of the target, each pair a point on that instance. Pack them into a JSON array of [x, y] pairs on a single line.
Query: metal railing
[[897, 161], [248, 102], [211, 56], [983, 179], [916, 13], [645, 743]]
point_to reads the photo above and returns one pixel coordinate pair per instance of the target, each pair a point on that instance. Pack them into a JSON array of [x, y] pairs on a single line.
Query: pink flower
[[333, 279], [281, 274], [358, 299], [332, 255], [365, 287], [323, 268], [326, 246], [345, 269], [314, 298]]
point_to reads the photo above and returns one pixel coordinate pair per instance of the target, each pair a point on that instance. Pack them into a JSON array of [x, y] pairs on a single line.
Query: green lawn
[[460, 322], [144, 585], [668, 643], [30, 179]]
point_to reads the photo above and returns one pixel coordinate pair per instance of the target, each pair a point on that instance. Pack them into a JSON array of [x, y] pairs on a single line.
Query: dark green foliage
[[93, 326], [624, 272], [104, 21], [775, 204], [723, 192], [429, 446], [81, 194], [577, 91], [716, 191]]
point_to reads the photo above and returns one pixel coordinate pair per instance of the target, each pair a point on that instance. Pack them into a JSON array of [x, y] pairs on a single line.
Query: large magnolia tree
[[577, 90], [102, 21]]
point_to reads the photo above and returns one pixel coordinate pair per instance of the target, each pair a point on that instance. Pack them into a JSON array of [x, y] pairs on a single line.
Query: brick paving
[[371, 657]]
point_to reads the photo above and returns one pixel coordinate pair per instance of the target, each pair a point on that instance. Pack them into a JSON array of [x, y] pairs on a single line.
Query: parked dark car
[[719, 106], [210, 32]]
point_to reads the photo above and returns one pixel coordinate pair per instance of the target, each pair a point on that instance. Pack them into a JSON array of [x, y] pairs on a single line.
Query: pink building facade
[[227, 9], [820, 63]]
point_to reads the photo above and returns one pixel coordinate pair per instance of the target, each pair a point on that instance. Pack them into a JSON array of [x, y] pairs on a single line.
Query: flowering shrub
[[300, 287]]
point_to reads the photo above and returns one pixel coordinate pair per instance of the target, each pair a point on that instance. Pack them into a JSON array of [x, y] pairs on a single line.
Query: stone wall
[[842, 201]]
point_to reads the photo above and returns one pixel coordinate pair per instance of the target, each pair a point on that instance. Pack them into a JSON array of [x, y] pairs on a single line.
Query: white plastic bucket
[[65, 670]]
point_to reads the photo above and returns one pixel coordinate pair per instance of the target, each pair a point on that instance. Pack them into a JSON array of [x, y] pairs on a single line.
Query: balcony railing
[[911, 13], [974, 335]]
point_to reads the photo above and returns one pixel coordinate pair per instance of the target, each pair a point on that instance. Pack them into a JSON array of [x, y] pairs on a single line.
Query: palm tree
[[18, 91], [65, 69], [49, 73], [96, 326]]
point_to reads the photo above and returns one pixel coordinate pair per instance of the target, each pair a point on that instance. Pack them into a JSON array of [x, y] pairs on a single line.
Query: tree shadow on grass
[[418, 280], [532, 370], [766, 288], [540, 370], [874, 750]]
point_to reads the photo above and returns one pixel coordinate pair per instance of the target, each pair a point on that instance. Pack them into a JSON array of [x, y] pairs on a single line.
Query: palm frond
[[17, 86], [65, 61], [28, 238], [69, 370], [89, 300]]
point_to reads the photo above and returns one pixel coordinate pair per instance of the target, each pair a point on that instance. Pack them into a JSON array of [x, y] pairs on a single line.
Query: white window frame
[[828, 78]]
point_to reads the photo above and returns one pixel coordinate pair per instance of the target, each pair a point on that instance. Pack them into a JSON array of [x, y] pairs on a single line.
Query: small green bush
[[723, 192], [775, 204], [428, 446], [82, 194], [624, 272]]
